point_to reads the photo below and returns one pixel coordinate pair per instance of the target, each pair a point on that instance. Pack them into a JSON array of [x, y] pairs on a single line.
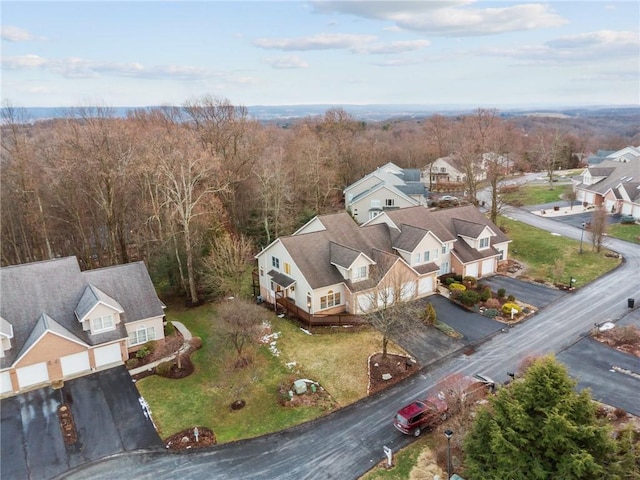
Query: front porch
[[288, 307]]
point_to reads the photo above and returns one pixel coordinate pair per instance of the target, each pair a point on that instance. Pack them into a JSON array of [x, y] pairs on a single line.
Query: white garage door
[[626, 209], [488, 267], [33, 375], [108, 355], [472, 270], [425, 286], [5, 383], [610, 205], [76, 363]]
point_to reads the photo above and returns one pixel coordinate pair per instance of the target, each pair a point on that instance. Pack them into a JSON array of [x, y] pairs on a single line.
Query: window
[[330, 299], [261, 272], [443, 170], [389, 202], [484, 242], [444, 268], [102, 324], [374, 214], [435, 254], [275, 262], [426, 257], [416, 258], [501, 255], [287, 268], [444, 249], [360, 273], [142, 335]]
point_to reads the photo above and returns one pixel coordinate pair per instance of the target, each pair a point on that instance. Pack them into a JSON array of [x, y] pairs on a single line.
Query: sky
[[425, 52]]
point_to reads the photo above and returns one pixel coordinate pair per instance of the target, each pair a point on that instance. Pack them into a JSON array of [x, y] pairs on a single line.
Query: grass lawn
[[628, 232], [404, 461], [204, 398], [536, 194], [539, 251]]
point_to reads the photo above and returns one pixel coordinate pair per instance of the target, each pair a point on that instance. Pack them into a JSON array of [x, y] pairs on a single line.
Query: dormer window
[[389, 202], [359, 273], [484, 243], [102, 324]]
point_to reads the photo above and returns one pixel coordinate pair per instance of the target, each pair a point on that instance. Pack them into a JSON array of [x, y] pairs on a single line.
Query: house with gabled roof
[[58, 323], [331, 264], [614, 183], [389, 187]]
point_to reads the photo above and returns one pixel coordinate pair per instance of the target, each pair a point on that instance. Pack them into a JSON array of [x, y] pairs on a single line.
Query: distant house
[[389, 187], [325, 268], [451, 169], [613, 183], [57, 322]]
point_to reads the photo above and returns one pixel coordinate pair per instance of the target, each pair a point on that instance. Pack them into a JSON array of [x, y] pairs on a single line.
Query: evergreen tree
[[540, 428]]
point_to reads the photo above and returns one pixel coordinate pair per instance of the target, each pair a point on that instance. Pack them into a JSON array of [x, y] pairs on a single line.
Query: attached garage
[[408, 291], [5, 383], [488, 267], [627, 209], [425, 285], [33, 375], [471, 270], [108, 355], [74, 364]]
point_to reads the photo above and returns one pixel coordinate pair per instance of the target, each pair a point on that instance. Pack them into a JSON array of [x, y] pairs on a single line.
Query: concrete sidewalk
[[186, 335]]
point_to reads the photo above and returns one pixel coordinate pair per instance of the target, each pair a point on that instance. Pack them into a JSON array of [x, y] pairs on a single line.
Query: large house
[[332, 265], [451, 169], [389, 187], [58, 323], [614, 183]]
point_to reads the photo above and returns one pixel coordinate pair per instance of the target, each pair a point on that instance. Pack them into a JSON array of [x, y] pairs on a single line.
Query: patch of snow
[[606, 326], [291, 365], [556, 234], [306, 331]]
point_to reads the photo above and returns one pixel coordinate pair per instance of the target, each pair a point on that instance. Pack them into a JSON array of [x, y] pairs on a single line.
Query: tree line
[[196, 190]]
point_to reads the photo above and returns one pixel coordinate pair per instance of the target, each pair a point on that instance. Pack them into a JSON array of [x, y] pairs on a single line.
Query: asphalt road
[[347, 443]]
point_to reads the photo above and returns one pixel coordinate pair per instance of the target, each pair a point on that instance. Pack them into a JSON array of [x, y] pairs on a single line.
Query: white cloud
[[15, 34], [73, 67], [290, 62], [590, 47], [395, 47], [323, 41], [451, 18]]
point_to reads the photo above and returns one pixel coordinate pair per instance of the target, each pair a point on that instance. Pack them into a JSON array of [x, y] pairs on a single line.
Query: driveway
[[612, 376], [532, 293], [108, 418]]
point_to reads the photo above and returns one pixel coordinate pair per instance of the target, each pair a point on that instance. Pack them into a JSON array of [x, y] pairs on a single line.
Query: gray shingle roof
[[615, 173], [55, 287], [341, 255], [281, 279], [91, 297]]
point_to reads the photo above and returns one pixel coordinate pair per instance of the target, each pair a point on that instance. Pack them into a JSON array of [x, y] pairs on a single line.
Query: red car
[[419, 415]]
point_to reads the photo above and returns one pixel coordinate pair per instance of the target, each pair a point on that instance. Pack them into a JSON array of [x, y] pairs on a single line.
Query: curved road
[[349, 442]]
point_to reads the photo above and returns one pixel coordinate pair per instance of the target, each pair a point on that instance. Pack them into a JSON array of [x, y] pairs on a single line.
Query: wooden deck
[[291, 309]]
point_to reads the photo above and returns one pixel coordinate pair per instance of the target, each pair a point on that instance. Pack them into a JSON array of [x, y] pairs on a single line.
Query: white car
[[448, 198]]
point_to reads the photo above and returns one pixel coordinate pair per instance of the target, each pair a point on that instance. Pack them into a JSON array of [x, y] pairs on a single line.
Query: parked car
[[448, 198], [627, 219], [421, 415]]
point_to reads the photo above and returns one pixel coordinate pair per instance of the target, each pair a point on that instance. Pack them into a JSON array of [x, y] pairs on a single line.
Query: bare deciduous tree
[[241, 322], [387, 304], [598, 228], [227, 267]]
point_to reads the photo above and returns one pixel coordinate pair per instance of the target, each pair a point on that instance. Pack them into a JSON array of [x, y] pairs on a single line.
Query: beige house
[[331, 265], [614, 183], [58, 323], [389, 187]]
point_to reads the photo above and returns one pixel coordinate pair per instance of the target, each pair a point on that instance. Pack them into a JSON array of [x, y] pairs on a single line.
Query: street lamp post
[[448, 434], [582, 235]]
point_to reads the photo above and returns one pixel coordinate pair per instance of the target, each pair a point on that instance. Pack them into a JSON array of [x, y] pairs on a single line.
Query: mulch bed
[[398, 366], [186, 439]]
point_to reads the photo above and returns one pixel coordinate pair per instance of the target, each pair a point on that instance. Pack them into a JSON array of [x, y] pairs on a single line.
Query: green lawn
[[204, 398], [630, 233], [535, 194], [539, 250]]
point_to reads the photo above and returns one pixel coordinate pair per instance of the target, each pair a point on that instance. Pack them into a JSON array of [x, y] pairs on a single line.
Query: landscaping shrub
[[457, 286], [468, 297], [485, 294], [511, 298], [169, 329], [143, 352], [492, 303], [470, 280], [501, 292], [131, 363], [491, 313], [196, 343], [429, 316], [449, 281], [163, 368], [506, 308]]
